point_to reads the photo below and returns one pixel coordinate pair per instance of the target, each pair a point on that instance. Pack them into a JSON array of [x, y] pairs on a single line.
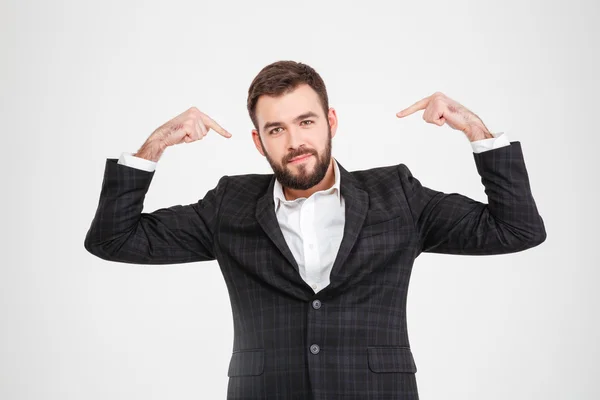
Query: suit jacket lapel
[[265, 214], [357, 204]]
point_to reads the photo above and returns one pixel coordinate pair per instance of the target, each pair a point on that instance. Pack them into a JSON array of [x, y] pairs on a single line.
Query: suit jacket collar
[[357, 204]]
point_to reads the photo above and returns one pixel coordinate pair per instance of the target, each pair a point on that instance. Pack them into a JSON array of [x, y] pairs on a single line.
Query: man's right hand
[[187, 127]]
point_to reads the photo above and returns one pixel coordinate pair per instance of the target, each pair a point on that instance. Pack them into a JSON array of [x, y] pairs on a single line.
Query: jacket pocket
[[247, 362], [380, 227], [391, 359]]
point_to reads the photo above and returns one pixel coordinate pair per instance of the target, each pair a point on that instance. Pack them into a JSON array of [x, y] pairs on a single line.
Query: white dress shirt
[[313, 227]]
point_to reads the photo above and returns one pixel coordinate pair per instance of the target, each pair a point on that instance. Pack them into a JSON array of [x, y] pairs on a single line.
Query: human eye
[[308, 120], [272, 130]]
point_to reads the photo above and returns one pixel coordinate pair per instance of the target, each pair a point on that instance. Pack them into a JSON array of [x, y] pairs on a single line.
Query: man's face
[[294, 126]]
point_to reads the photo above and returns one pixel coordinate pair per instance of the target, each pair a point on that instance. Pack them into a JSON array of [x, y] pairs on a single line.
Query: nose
[[295, 139]]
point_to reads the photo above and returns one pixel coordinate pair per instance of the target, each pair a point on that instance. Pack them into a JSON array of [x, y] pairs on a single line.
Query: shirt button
[[315, 349], [314, 286], [311, 246], [316, 304]]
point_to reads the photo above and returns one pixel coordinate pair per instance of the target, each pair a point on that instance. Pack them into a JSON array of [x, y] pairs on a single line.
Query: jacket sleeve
[[451, 223], [121, 232]]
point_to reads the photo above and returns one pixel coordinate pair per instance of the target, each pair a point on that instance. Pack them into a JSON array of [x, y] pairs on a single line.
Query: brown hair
[[283, 77]]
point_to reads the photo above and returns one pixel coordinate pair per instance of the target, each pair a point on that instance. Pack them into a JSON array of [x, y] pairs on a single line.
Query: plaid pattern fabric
[[350, 339]]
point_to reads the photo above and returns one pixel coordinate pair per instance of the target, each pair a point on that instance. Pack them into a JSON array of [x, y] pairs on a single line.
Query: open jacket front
[[350, 339]]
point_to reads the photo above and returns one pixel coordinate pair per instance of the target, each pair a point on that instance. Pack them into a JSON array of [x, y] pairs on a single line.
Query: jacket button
[[316, 304], [315, 349]]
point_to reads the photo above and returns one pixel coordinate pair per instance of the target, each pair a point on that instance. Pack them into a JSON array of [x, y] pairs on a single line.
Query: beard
[[302, 180]]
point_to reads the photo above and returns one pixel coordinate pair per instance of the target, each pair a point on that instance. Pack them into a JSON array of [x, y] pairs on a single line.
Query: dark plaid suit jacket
[[350, 339]]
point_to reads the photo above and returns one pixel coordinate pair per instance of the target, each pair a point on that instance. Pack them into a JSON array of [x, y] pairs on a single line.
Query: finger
[[434, 116], [419, 105], [210, 123], [203, 127], [439, 118], [189, 130], [200, 132], [427, 115], [181, 131]]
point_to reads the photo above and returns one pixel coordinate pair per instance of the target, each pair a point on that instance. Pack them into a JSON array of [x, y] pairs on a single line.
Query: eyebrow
[[298, 118]]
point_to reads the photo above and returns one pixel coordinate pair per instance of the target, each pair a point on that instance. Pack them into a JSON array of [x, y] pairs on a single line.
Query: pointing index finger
[[212, 124], [419, 105]]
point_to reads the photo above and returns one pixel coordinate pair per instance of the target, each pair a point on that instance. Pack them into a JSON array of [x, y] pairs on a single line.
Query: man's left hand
[[440, 109]]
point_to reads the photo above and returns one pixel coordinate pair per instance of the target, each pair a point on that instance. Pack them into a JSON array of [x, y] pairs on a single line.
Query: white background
[[83, 81]]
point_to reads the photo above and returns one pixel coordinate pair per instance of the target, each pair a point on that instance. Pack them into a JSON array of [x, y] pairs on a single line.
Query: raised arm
[[121, 232], [455, 224], [452, 223]]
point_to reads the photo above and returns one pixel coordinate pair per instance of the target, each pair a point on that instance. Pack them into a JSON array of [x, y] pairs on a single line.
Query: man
[[316, 259]]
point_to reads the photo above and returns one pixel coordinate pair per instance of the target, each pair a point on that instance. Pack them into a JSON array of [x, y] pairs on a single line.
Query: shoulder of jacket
[[247, 182]]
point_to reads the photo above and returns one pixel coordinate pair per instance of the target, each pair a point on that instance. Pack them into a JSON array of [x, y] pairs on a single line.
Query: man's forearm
[[151, 150]]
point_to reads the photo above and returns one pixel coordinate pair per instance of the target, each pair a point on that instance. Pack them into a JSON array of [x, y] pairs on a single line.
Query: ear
[[256, 140], [333, 121]]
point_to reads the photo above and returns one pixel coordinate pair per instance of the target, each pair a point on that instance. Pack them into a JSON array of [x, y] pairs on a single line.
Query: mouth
[[300, 159]]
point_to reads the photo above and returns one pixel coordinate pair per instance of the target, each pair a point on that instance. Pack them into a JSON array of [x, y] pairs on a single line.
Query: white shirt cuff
[[130, 160], [499, 140]]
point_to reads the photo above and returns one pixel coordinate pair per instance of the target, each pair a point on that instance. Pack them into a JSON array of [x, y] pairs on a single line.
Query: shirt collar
[[279, 197]]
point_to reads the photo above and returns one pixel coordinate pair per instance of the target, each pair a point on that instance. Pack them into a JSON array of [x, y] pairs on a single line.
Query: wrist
[[475, 132], [151, 150]]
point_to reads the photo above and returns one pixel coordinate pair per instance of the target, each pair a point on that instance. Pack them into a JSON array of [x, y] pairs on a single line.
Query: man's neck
[[327, 182]]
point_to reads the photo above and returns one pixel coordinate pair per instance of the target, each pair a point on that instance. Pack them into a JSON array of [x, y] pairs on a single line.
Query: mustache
[[294, 155]]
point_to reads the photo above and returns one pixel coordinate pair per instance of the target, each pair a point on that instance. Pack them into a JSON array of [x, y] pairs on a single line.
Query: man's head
[[289, 108]]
